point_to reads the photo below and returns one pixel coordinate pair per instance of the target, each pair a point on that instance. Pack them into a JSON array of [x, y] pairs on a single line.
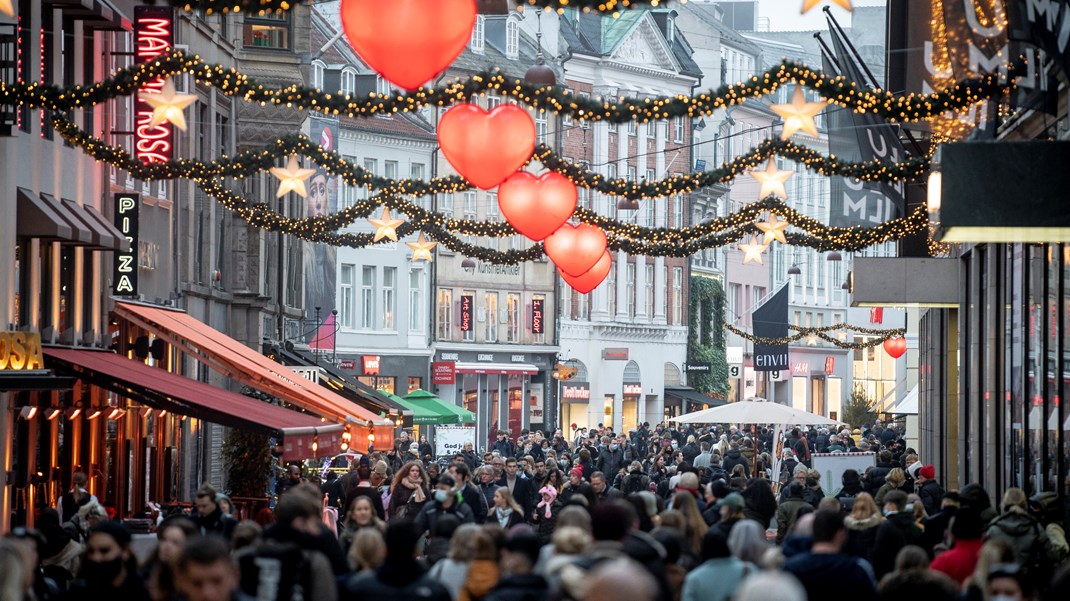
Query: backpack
[[276, 573], [635, 483]]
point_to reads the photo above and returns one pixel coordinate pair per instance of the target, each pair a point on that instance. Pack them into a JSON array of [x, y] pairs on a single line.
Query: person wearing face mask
[[171, 536], [610, 459], [446, 500], [897, 531], [109, 568]]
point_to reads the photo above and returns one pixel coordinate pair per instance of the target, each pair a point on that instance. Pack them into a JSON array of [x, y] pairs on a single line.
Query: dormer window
[[478, 35], [670, 30], [512, 37], [316, 74], [349, 81]]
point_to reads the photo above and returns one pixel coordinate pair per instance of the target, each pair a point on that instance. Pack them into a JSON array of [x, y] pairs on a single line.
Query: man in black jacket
[[401, 577], [734, 458], [894, 533], [519, 486], [469, 495], [209, 516], [519, 583], [446, 500]]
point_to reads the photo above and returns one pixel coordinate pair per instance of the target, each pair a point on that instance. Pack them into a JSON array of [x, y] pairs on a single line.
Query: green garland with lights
[[823, 334], [281, 6], [839, 91]]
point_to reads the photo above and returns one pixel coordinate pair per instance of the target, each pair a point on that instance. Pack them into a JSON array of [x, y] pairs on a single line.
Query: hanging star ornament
[[753, 251], [421, 249], [292, 177], [385, 226], [167, 105], [773, 229], [811, 340], [799, 114], [808, 4], [772, 180]]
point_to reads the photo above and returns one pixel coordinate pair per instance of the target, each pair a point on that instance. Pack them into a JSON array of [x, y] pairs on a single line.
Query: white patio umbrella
[[756, 411]]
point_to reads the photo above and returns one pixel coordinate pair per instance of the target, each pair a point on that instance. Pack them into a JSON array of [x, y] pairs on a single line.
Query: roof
[[595, 35], [400, 125], [707, 13]]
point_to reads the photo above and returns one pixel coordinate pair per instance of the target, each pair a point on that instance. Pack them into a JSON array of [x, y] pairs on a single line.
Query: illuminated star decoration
[[753, 251], [808, 4], [7, 8], [167, 105], [292, 177], [385, 227], [773, 229], [772, 180], [841, 335], [421, 249], [811, 340], [799, 114]]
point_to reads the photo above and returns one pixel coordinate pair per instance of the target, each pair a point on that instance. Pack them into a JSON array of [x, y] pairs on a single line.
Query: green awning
[[425, 413], [423, 398]]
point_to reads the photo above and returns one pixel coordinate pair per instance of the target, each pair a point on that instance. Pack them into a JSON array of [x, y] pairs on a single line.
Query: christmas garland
[[280, 6], [822, 333], [838, 91]]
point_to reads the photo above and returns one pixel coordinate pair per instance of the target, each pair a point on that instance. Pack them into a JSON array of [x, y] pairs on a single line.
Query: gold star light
[[773, 229], [811, 340], [753, 251], [385, 227], [808, 4], [292, 177], [772, 180], [168, 105], [7, 8], [799, 114], [421, 249]]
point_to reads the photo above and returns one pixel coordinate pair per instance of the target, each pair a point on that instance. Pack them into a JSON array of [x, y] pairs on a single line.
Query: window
[[633, 128], [443, 313], [512, 308], [612, 290], [371, 166], [367, 297], [316, 74], [493, 100], [382, 86], [469, 205], [268, 31], [677, 296], [390, 278], [612, 127], [490, 305], [390, 169], [584, 124], [414, 300], [345, 293], [446, 204], [415, 383], [478, 35], [678, 210], [512, 38], [349, 81], [670, 30], [540, 125], [649, 307], [678, 130], [648, 209], [630, 290]]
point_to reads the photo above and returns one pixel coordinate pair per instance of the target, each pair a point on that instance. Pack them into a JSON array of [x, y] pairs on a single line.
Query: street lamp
[[468, 264], [627, 204], [794, 270], [834, 256]]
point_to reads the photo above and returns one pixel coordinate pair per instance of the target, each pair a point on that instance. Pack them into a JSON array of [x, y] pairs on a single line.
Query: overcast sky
[[784, 14]]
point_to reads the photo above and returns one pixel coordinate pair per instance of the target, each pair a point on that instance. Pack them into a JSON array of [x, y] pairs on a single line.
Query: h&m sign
[[124, 276]]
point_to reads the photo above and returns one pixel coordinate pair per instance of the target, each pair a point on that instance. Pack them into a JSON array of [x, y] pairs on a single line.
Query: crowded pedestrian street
[[534, 300]]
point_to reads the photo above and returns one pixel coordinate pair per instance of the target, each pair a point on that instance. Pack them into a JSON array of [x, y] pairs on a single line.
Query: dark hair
[[897, 498], [446, 525], [795, 490], [850, 477], [461, 469], [401, 538], [611, 521], [206, 490], [295, 504], [364, 472], [203, 550], [598, 475], [447, 480], [672, 540], [967, 524], [714, 545], [886, 456], [827, 523], [181, 522]]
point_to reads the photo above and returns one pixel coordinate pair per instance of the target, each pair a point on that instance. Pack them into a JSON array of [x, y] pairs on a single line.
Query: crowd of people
[[655, 514]]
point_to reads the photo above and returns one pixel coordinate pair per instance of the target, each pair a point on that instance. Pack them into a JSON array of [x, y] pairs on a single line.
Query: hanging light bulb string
[[823, 333]]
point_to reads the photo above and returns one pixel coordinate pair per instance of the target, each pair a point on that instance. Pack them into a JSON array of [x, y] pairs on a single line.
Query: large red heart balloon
[[575, 248], [594, 276], [486, 147], [408, 41], [895, 346], [536, 207]]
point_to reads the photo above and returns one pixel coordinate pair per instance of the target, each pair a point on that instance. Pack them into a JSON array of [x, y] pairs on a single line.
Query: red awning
[[167, 391]]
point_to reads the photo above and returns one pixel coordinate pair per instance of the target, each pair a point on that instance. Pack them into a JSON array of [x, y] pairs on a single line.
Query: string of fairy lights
[[229, 81], [873, 337]]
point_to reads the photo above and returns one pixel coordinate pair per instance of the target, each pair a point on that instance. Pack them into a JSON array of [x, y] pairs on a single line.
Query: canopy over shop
[[429, 409]]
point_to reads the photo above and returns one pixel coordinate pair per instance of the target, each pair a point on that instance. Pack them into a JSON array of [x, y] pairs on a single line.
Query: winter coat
[[898, 531], [609, 462], [885, 489], [483, 575], [690, 451], [847, 495], [875, 477], [398, 580], [759, 505], [715, 579], [732, 459], [787, 469], [786, 515], [861, 535], [451, 574], [1031, 545], [634, 482], [931, 495], [960, 561], [520, 587], [429, 514]]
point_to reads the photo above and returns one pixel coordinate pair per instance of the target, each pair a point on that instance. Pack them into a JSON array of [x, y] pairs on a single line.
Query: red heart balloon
[[594, 276], [575, 248], [485, 147], [536, 207], [408, 41], [895, 346]]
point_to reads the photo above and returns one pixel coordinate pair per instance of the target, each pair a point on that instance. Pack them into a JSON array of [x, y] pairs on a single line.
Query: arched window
[[349, 80], [478, 35], [512, 37], [316, 74], [631, 372], [672, 375]]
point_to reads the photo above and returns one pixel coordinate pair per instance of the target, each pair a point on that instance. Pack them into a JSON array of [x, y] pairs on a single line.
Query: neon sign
[[153, 35], [536, 316], [466, 312], [124, 276]]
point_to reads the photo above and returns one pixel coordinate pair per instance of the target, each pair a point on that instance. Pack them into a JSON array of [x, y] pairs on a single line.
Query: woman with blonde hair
[[862, 526], [506, 511], [408, 491], [368, 550], [361, 514], [895, 480], [483, 571], [452, 572], [694, 525]]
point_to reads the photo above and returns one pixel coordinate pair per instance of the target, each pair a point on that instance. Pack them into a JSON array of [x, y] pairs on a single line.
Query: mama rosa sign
[[20, 351]]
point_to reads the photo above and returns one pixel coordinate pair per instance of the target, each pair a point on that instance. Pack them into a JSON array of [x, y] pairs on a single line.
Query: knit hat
[[927, 471], [576, 471], [115, 530], [734, 501]]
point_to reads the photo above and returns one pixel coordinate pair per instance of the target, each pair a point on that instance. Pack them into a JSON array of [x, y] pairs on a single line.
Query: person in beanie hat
[[731, 512], [929, 490]]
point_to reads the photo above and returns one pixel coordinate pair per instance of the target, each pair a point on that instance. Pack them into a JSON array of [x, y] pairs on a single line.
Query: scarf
[[503, 516], [550, 492], [418, 495]]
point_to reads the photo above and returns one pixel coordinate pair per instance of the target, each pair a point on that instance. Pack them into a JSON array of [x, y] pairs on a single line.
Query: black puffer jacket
[[732, 459], [400, 580]]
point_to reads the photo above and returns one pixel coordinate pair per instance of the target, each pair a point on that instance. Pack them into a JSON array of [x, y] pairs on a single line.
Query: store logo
[[633, 389], [371, 365], [536, 316], [124, 276], [153, 35], [830, 364], [443, 372], [20, 351], [571, 391]]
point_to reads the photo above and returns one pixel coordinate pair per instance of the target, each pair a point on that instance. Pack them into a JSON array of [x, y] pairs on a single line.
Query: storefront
[[506, 391], [393, 374], [575, 396]]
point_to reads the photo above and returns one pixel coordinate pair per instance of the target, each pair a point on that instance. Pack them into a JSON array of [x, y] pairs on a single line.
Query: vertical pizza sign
[[153, 36]]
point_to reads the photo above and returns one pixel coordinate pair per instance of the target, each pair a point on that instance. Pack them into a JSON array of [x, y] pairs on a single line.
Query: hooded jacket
[[861, 535], [732, 459], [898, 531], [1025, 534]]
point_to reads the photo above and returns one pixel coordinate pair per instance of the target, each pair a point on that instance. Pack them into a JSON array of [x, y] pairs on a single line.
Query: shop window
[[383, 383], [415, 383], [268, 31]]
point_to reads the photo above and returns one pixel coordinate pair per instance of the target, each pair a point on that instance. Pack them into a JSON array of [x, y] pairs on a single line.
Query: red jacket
[[960, 561]]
